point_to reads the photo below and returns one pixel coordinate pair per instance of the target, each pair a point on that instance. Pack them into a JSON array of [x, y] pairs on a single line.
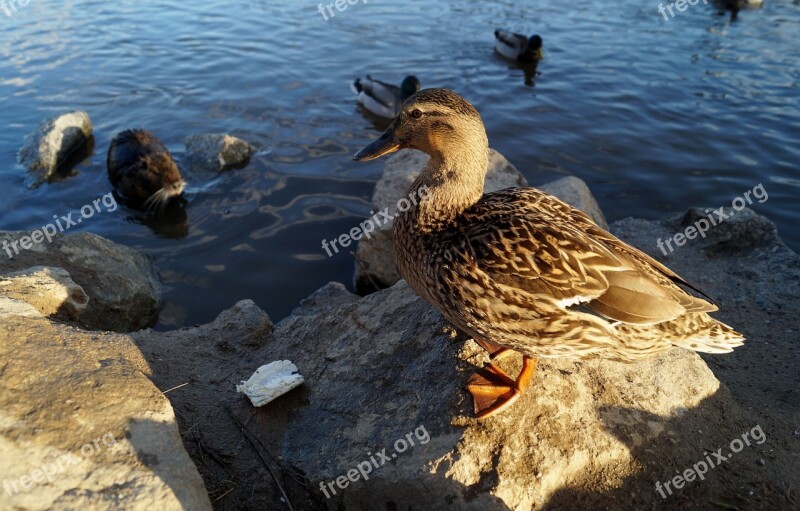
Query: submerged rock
[[375, 259], [122, 284], [217, 151], [53, 142], [82, 427]]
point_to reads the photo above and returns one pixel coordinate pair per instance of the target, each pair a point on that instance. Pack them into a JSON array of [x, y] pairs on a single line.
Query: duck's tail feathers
[[712, 337], [356, 86]]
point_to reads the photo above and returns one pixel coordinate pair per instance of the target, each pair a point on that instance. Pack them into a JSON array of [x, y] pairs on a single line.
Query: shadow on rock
[[683, 449]]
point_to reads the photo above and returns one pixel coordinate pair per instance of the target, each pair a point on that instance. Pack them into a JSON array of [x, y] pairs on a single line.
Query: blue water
[[657, 116]]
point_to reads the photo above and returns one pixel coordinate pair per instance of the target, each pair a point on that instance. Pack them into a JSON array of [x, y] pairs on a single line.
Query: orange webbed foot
[[493, 390]]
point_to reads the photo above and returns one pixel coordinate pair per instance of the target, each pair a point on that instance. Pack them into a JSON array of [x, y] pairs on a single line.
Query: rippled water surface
[[656, 116]]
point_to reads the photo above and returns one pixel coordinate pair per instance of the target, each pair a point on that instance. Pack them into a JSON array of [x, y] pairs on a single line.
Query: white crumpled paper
[[270, 382]]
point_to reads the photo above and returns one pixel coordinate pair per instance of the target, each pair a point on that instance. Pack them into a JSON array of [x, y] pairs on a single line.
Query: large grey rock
[[386, 370], [122, 284], [217, 151], [375, 259], [82, 427], [54, 141], [50, 290]]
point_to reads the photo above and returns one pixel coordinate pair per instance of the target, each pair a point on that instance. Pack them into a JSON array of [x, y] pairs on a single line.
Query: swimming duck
[[384, 99], [142, 170], [736, 5], [518, 47], [520, 270]]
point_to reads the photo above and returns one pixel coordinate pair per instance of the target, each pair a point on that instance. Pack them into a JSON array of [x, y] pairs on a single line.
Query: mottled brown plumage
[[520, 269]]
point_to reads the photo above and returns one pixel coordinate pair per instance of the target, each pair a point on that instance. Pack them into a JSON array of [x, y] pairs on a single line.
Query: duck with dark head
[[142, 171], [517, 47]]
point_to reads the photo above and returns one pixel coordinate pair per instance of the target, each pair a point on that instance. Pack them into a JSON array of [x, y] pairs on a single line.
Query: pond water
[[655, 115]]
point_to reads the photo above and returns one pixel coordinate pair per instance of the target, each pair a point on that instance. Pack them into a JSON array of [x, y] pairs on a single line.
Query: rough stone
[[54, 141], [122, 284], [50, 290], [82, 427], [217, 151]]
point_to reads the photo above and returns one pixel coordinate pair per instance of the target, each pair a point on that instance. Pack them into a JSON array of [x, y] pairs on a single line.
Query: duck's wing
[[510, 39], [523, 242], [382, 92], [655, 269]]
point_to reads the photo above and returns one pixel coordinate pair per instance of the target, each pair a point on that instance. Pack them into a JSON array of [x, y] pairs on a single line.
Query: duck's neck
[[449, 184]]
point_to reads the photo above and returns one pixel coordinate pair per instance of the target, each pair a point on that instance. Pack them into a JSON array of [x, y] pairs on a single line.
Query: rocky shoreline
[[77, 363]]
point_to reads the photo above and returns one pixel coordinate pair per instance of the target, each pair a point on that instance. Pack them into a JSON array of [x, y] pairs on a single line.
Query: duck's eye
[[416, 114]]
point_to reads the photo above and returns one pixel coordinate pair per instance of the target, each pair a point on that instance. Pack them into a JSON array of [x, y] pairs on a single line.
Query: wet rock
[[383, 420], [217, 152], [122, 284], [53, 142], [375, 260], [50, 290], [81, 425]]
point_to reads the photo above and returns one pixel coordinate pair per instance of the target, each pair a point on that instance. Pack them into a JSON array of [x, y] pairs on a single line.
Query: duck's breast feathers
[[532, 244]]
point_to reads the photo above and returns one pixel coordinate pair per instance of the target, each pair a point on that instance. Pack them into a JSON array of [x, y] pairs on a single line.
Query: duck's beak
[[386, 144]]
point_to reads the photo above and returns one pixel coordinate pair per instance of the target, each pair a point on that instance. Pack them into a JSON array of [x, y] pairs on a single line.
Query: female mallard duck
[[517, 46], [521, 270], [384, 99]]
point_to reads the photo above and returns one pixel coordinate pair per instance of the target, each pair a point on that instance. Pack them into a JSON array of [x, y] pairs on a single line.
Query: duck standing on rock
[[142, 170], [517, 47], [384, 99], [520, 270]]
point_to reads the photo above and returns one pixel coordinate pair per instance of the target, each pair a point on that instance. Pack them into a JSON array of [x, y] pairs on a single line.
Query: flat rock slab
[[122, 284], [82, 427]]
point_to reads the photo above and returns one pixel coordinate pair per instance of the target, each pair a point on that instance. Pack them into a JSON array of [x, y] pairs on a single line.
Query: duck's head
[[409, 87], [438, 122], [535, 46]]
